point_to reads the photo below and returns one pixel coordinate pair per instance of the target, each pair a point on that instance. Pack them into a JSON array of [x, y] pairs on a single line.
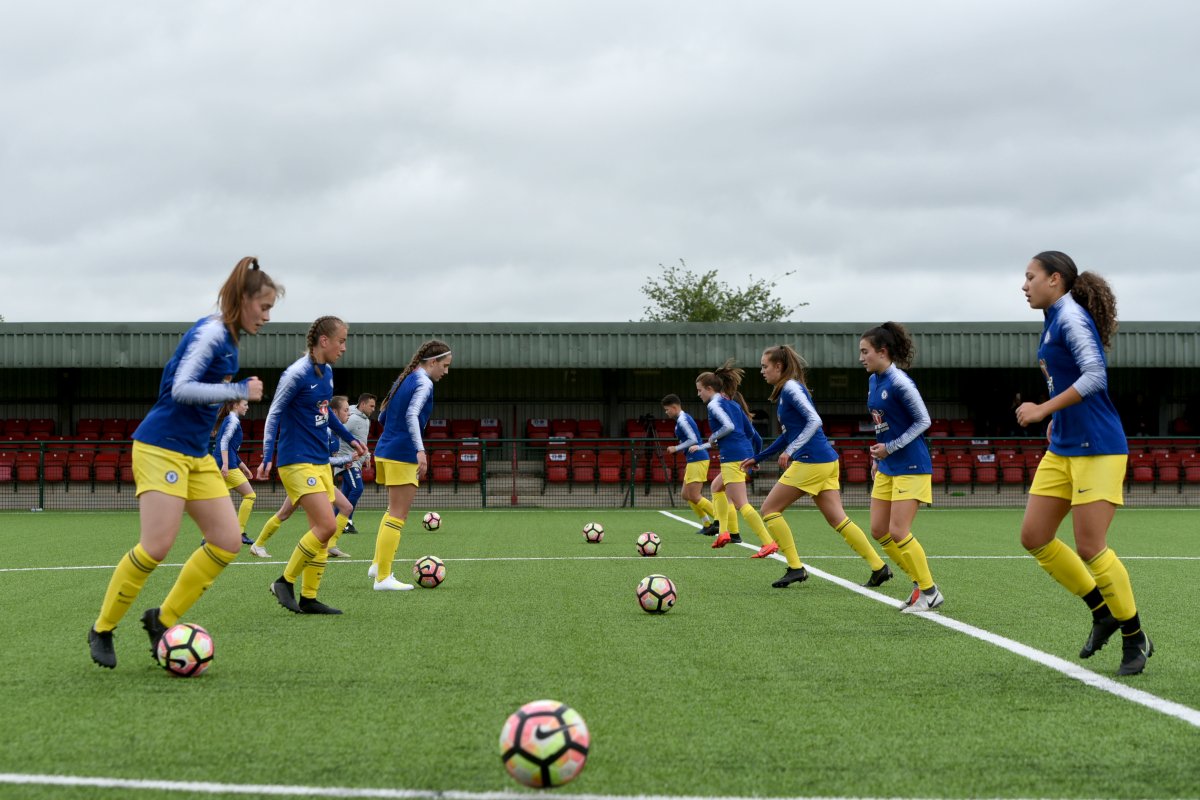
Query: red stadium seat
[[441, 466], [1012, 469], [1167, 467], [563, 428], [490, 428], [537, 429], [79, 466], [105, 467], [590, 429], [54, 466], [464, 428], [609, 466], [437, 429], [7, 468], [958, 468], [557, 465], [16, 429], [583, 466], [27, 467], [939, 428], [125, 465], [469, 465], [987, 470], [88, 426], [1189, 464], [1141, 469]]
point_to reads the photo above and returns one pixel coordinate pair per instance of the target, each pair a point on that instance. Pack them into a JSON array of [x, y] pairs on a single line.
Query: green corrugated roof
[[631, 345]]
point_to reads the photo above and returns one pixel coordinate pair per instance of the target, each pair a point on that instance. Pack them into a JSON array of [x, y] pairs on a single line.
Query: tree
[[680, 295]]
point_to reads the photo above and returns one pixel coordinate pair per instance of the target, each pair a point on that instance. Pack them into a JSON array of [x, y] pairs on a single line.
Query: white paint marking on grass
[[1068, 668], [282, 790]]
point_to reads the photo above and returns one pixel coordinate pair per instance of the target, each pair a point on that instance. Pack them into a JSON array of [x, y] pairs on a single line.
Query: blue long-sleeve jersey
[[732, 430], [688, 434], [195, 382], [1071, 354], [803, 437], [229, 439], [405, 417], [296, 427], [900, 418]]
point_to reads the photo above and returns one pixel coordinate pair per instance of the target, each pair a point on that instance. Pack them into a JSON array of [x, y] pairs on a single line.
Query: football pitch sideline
[[819, 690]]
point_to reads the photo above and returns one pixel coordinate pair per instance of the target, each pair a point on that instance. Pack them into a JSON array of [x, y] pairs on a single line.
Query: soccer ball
[[544, 744], [593, 532], [429, 571], [648, 543], [656, 594], [432, 521], [185, 650]]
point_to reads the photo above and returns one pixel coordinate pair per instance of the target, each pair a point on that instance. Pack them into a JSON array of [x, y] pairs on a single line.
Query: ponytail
[[893, 337], [1087, 288], [792, 367], [431, 350], [246, 281]]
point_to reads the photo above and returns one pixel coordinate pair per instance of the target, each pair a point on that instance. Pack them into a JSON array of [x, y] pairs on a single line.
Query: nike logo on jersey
[[901, 491], [315, 385], [1081, 491]]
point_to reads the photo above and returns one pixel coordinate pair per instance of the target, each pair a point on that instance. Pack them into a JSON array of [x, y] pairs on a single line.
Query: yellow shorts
[[395, 473], [235, 478], [156, 469], [732, 473], [1081, 479], [811, 478], [696, 472], [894, 488], [301, 479]]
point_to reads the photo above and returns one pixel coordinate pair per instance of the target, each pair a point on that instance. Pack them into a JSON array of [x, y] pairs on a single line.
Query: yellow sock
[[756, 524], [387, 542], [897, 556], [244, 510], [1065, 566], [858, 542], [731, 519], [198, 573], [721, 506], [783, 534], [340, 522], [268, 530], [314, 571], [123, 588], [704, 509], [920, 565], [306, 550], [1113, 582]]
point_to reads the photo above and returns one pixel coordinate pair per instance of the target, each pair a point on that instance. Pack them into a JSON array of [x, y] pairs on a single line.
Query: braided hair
[[428, 351]]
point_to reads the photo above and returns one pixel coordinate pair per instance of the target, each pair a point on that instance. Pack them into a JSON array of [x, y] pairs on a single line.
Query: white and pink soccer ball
[[429, 571], [185, 650], [648, 543], [432, 521], [593, 533], [544, 744]]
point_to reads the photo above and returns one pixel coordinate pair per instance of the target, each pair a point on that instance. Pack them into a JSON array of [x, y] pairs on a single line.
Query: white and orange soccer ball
[[432, 521], [593, 532], [429, 571], [647, 544], [544, 744], [185, 650], [656, 594]]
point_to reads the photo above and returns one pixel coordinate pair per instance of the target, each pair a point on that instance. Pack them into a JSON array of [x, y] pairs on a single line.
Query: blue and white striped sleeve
[[693, 433], [724, 422], [227, 431], [293, 376], [186, 388], [412, 415], [911, 398], [1085, 348], [812, 420]]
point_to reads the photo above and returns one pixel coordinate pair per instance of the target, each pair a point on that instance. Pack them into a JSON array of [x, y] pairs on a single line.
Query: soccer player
[[400, 461], [1083, 471], [173, 469], [736, 441], [811, 467], [696, 473], [236, 474], [296, 436], [901, 465], [349, 474]]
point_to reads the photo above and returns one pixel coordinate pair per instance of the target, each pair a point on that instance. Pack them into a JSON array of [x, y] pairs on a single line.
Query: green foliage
[[679, 295], [740, 690]]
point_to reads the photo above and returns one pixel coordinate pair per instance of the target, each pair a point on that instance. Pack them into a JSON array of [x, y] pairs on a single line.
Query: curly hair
[[1087, 288]]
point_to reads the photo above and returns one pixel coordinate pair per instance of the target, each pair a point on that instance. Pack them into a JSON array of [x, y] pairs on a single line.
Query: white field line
[[281, 790], [1068, 668]]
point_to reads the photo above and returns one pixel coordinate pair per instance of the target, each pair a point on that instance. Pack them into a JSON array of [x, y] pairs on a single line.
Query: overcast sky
[[537, 161]]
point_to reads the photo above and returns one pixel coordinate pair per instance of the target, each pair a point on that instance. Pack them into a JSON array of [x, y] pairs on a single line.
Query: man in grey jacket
[[349, 477]]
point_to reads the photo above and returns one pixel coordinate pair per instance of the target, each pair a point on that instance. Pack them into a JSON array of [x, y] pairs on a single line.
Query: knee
[[251, 496]]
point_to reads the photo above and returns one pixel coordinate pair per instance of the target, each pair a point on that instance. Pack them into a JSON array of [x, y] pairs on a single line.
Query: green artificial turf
[[740, 690]]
